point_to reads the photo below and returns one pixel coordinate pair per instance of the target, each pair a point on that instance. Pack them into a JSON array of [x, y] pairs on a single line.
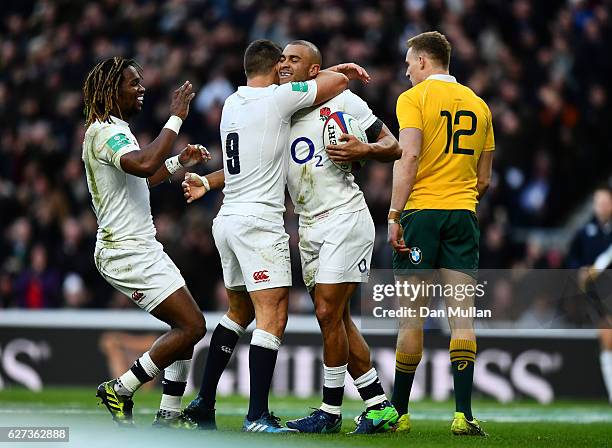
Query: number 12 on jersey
[[232, 152], [459, 132]]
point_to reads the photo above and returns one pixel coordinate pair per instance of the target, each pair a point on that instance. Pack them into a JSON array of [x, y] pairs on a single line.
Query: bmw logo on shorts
[[415, 255]]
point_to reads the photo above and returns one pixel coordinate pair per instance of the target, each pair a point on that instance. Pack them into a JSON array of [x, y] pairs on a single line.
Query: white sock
[[148, 365], [231, 325], [174, 384], [605, 359], [128, 383], [365, 380], [333, 377], [266, 340]]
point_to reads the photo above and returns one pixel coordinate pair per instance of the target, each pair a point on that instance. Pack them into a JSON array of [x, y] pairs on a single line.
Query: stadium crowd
[[540, 66]]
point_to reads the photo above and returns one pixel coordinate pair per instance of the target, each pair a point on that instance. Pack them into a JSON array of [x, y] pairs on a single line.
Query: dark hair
[[101, 88], [434, 44], [604, 186], [260, 57], [316, 53]]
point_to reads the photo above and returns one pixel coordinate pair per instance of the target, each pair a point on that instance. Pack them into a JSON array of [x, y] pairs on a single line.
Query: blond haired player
[[446, 136]]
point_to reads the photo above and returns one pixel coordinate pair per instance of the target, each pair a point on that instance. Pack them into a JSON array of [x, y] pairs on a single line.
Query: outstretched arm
[[147, 161], [189, 156]]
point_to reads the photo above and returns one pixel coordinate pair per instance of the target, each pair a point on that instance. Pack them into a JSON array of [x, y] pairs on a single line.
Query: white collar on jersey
[[119, 121], [441, 77], [253, 92]]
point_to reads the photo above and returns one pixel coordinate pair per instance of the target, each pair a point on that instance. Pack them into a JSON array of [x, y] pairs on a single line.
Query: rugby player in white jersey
[[249, 228], [119, 173], [336, 241]]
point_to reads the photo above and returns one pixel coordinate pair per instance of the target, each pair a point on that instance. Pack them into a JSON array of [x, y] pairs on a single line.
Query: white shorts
[[337, 249], [254, 252], [148, 276]]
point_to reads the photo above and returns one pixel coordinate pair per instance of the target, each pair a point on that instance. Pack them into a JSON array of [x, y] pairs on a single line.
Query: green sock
[[462, 356], [405, 368]]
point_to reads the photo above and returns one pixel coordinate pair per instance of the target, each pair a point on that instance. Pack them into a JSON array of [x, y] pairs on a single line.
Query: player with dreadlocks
[[127, 254]]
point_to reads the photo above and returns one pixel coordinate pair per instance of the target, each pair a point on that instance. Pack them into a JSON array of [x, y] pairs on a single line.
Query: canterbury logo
[[137, 296], [226, 349], [462, 365], [261, 276]]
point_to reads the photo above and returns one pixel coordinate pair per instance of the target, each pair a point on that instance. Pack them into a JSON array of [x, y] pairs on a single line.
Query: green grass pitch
[[525, 424]]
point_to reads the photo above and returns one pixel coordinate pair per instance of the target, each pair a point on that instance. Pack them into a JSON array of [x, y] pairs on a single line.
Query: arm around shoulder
[[329, 85]]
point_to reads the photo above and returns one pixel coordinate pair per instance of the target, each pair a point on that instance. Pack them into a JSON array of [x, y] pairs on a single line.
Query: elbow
[[343, 81], [397, 151], [483, 185]]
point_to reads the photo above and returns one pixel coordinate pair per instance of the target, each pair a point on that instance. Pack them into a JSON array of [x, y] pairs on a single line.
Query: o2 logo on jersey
[[311, 152], [416, 255]]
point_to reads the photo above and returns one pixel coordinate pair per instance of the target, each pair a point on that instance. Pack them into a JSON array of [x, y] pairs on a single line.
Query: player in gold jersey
[[447, 142]]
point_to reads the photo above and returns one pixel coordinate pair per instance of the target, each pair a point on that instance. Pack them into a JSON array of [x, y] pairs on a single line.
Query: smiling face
[[297, 64], [131, 92]]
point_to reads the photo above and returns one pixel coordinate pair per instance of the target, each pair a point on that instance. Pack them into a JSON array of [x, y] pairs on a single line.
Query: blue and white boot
[[265, 423], [318, 422]]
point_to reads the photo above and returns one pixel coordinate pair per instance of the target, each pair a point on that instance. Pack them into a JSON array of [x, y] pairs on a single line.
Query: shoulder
[[469, 92], [101, 130], [351, 98], [295, 86], [412, 95]]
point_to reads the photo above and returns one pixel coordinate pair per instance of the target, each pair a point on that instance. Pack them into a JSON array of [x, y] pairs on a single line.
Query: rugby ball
[[340, 123]]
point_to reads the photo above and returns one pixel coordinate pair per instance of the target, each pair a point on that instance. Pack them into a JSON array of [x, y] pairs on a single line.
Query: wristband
[[204, 181], [394, 215], [394, 210], [174, 124], [173, 164], [393, 221]]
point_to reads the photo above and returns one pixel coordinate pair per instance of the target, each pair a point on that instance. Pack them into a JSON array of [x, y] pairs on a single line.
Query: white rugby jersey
[[255, 126], [120, 200], [317, 187]]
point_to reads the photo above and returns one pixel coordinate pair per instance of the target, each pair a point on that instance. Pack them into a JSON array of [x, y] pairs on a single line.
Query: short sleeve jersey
[[457, 127], [315, 184], [120, 200], [255, 125]]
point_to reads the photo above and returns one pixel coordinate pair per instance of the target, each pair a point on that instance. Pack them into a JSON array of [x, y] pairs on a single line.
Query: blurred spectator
[[74, 291], [596, 236], [38, 285], [590, 243]]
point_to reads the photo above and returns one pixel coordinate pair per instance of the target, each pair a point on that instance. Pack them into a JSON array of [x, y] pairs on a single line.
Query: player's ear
[[314, 70]]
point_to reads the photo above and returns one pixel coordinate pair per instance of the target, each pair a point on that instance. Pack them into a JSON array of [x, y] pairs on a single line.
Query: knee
[[196, 329], [327, 313]]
